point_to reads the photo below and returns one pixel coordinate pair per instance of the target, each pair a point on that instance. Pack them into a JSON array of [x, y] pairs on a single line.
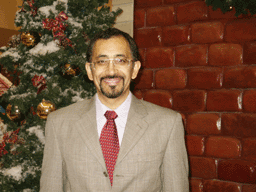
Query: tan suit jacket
[[152, 156]]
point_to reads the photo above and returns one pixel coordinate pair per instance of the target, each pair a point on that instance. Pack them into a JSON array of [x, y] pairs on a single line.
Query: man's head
[[110, 33], [112, 62]]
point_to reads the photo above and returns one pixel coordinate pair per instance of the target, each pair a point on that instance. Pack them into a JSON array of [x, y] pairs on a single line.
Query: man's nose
[[111, 67]]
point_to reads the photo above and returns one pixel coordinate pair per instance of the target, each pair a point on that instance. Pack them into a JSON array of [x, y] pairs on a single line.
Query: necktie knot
[[110, 115]]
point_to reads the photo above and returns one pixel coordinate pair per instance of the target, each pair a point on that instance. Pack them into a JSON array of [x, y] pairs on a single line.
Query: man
[[147, 153]]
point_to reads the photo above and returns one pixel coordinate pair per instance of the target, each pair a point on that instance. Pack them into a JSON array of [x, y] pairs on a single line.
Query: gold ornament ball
[[45, 108], [70, 71], [13, 113], [30, 39]]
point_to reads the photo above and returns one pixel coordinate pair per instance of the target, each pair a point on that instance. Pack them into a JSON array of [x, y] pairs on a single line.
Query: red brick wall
[[202, 63]]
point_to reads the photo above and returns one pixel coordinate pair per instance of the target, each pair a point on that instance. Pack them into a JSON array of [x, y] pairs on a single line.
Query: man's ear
[[136, 68], [88, 69]]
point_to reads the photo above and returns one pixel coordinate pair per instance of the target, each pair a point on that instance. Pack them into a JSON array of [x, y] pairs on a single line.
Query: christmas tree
[[240, 6], [47, 60]]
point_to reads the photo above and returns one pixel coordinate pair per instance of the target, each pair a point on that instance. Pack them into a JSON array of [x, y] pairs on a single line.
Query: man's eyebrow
[[117, 55], [99, 56], [120, 55]]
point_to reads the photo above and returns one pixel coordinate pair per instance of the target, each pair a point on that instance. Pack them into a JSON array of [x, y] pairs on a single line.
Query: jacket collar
[[135, 128]]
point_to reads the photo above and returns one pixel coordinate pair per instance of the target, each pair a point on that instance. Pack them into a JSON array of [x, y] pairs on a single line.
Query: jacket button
[[105, 174]]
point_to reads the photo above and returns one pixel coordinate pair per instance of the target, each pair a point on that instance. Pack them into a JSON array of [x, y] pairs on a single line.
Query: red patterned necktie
[[109, 143]]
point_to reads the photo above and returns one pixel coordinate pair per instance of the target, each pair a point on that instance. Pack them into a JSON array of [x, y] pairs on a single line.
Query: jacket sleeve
[[175, 163], [51, 177]]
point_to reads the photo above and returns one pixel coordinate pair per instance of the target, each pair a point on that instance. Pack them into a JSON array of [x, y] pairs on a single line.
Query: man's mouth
[[112, 81]]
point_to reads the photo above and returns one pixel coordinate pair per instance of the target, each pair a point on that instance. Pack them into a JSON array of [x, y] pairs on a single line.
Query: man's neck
[[112, 103]]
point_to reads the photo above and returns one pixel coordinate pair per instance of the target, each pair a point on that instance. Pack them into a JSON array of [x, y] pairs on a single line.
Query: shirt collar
[[121, 111]]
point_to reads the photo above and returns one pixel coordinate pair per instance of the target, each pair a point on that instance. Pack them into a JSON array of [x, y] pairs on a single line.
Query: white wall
[[8, 10], [124, 21]]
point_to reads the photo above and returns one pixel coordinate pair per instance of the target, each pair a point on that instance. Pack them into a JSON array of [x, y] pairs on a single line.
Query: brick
[[183, 117], [142, 52], [218, 14], [239, 125], [202, 167], [159, 57], [170, 79], [176, 35], [215, 185], [237, 171], [203, 124], [249, 52], [224, 100], [146, 3], [159, 97], [249, 188], [139, 18], [248, 150], [191, 55], [195, 145], [189, 101], [241, 30], [249, 101], [160, 16], [223, 147], [205, 78], [196, 185], [225, 54], [148, 37], [240, 77], [209, 32], [192, 11], [138, 94], [144, 79]]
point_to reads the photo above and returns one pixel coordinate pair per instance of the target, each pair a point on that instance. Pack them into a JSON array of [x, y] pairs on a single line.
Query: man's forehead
[[113, 44], [120, 39]]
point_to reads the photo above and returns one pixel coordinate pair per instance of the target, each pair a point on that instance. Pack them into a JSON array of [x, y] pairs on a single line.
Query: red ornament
[[32, 7], [58, 28], [2, 149], [11, 138], [39, 82]]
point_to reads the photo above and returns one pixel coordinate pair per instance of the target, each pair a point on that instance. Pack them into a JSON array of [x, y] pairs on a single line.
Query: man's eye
[[120, 61], [101, 62]]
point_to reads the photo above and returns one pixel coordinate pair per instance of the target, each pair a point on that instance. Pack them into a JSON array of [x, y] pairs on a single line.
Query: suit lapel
[[87, 128], [135, 128]]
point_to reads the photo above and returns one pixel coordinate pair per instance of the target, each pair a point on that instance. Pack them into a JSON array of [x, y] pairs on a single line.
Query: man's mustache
[[111, 77]]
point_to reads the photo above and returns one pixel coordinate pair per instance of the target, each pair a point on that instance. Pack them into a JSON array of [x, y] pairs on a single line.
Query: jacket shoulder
[[70, 111], [158, 110]]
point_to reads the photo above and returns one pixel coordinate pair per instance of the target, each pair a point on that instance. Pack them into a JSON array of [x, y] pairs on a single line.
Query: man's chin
[[112, 95]]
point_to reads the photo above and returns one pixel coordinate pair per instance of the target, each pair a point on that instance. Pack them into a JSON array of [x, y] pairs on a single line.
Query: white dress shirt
[[121, 111]]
